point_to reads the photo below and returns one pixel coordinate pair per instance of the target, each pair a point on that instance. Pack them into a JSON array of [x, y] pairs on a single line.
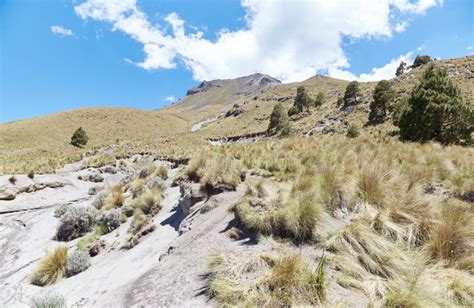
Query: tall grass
[[52, 268]]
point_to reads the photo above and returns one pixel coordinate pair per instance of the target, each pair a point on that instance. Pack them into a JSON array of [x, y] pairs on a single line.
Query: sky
[[59, 55]]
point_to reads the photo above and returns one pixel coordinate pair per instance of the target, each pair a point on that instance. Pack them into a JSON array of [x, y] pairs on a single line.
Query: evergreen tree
[[383, 94], [79, 138], [352, 91], [302, 99], [437, 111], [319, 100], [421, 60], [279, 122], [401, 68]]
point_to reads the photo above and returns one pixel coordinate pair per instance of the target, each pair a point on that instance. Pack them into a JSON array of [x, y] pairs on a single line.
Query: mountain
[[42, 143]]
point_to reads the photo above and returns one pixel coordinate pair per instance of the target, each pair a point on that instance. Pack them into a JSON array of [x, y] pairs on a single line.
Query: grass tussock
[[211, 169], [115, 198], [52, 268], [288, 281]]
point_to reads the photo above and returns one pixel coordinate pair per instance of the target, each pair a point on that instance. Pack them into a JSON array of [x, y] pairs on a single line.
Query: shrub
[[437, 111], [77, 262], [52, 268], [138, 221], [31, 174], [351, 93], [12, 180], [109, 220], [48, 300], [77, 221], [60, 210], [421, 60], [79, 138], [99, 200], [383, 94], [401, 69], [127, 210], [292, 111], [353, 131], [279, 122]]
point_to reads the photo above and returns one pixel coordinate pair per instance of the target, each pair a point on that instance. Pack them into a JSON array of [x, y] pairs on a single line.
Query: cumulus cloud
[[378, 73], [291, 40], [61, 31], [170, 99]]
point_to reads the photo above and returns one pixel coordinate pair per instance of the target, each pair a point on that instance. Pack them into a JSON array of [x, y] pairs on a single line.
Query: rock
[[95, 248], [7, 193], [109, 169], [95, 189], [96, 178], [235, 111], [217, 188]]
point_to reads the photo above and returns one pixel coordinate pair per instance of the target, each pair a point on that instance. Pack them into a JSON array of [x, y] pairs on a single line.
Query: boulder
[[7, 193]]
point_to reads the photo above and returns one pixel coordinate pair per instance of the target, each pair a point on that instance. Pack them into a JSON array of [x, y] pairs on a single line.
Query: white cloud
[[290, 40], [469, 47], [61, 31], [377, 73], [170, 99]]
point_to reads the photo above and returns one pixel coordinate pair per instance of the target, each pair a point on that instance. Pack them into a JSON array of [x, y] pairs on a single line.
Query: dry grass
[[115, 198], [288, 281], [52, 268]]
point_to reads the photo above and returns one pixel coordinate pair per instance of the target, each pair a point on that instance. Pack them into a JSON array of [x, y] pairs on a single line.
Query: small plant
[[12, 180], [31, 174], [48, 300], [115, 198], [52, 268], [138, 221], [77, 221], [77, 261], [99, 200], [292, 111], [60, 210], [162, 171], [109, 220], [79, 138], [353, 131]]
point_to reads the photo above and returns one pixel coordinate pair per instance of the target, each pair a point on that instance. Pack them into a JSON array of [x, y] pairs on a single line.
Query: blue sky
[[61, 55]]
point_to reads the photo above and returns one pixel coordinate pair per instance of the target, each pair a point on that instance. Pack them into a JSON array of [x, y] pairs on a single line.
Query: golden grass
[[52, 268], [115, 198]]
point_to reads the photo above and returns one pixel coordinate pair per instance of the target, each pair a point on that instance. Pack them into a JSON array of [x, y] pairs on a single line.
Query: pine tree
[[401, 69], [383, 94], [319, 100], [79, 138], [421, 60], [437, 111], [279, 122], [352, 91], [302, 99]]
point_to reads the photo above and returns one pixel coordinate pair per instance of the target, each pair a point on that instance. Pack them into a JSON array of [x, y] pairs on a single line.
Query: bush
[[48, 300], [351, 93], [292, 111], [79, 138], [99, 200], [279, 121], [383, 94], [77, 221], [77, 261], [12, 180], [353, 131], [109, 220], [31, 174], [60, 210], [115, 198], [436, 111], [52, 268], [149, 201], [421, 60]]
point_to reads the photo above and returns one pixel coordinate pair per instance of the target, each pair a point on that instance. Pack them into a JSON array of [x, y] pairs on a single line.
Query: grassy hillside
[[42, 144]]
